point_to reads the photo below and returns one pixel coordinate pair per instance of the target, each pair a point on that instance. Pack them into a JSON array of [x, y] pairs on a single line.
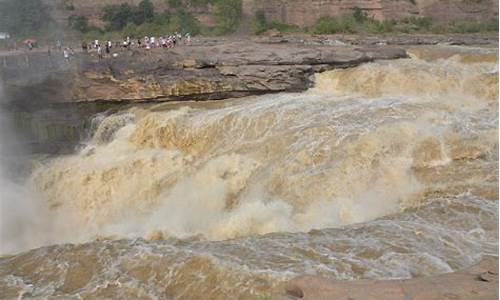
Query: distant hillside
[[298, 13], [306, 13]]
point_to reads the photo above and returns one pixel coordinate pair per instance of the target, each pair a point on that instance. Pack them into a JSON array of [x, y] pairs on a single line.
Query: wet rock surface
[[477, 282]]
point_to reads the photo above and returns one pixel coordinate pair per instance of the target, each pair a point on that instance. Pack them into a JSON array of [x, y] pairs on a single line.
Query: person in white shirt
[[66, 54]]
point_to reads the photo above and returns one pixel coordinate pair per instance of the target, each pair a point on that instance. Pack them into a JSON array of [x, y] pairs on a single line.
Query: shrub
[[160, 25], [326, 25], [358, 15], [330, 25], [175, 3], [358, 22], [144, 12], [285, 28], [228, 15], [79, 23], [474, 27], [259, 23], [374, 26], [187, 23], [201, 2], [348, 24], [118, 16], [413, 24]]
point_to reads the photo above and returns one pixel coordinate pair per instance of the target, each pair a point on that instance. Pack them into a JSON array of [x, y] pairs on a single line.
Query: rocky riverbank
[[477, 282], [210, 69], [207, 69]]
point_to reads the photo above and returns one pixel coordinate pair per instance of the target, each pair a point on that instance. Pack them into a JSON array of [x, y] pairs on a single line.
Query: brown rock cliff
[[306, 13]]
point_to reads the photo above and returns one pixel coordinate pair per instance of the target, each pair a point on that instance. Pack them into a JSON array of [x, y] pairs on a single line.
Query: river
[[385, 170]]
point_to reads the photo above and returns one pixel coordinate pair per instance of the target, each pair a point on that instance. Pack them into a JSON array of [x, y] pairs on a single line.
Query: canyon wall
[[306, 13]]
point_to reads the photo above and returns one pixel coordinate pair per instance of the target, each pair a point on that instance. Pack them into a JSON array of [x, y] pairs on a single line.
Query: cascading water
[[390, 166]]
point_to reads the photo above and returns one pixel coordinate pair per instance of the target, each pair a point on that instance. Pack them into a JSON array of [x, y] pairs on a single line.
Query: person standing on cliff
[[66, 54], [99, 51]]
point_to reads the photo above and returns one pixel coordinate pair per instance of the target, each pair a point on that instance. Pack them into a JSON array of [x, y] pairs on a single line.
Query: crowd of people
[[109, 48], [148, 42]]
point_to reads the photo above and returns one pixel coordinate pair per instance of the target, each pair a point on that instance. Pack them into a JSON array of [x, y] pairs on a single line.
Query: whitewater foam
[[362, 144]]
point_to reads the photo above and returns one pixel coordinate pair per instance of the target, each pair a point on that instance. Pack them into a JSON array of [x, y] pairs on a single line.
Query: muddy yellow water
[[386, 170]]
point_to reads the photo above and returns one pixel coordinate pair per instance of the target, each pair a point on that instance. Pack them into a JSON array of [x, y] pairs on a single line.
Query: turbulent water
[[386, 170]]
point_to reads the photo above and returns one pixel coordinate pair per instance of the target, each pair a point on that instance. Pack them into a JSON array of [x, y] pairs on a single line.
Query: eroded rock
[[207, 70], [479, 282]]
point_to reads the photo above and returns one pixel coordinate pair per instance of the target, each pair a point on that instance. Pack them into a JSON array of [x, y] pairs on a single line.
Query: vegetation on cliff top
[[134, 21], [359, 22], [118, 16], [260, 25], [227, 14], [22, 18], [128, 20]]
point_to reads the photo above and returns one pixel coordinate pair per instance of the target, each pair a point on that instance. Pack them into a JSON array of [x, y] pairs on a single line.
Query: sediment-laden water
[[386, 170]]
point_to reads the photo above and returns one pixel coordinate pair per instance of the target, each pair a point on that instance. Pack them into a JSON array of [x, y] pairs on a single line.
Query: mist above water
[[19, 214]]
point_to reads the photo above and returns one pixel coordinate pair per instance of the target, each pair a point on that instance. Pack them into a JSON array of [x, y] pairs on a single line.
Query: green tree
[[259, 23], [79, 23], [228, 15], [175, 3], [201, 2], [145, 12], [187, 23], [359, 15], [118, 16]]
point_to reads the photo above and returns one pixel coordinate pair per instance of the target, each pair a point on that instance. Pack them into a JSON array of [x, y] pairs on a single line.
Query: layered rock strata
[[209, 70]]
